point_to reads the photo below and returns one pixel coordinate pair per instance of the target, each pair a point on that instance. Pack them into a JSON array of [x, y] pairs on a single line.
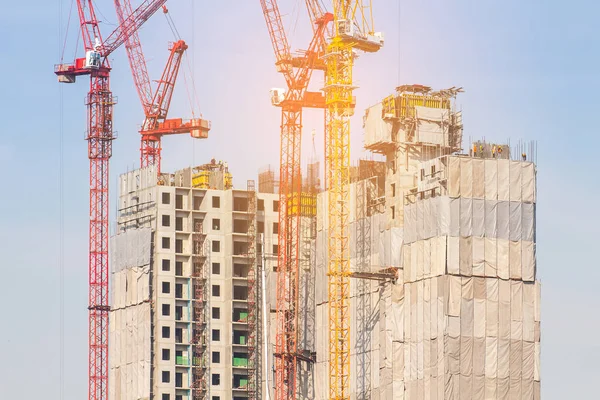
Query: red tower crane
[[156, 106], [99, 137], [297, 71]]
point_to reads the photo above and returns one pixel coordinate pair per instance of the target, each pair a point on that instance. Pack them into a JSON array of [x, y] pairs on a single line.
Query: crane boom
[[135, 55]]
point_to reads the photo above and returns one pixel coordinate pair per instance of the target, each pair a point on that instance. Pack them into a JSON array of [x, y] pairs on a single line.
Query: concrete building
[[184, 318], [460, 317]]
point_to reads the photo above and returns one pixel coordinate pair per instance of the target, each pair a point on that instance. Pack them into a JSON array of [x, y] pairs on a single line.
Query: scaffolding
[[214, 175], [254, 368], [200, 309], [267, 181]]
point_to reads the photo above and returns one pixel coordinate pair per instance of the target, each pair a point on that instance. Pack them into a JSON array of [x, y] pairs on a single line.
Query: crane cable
[[61, 206]]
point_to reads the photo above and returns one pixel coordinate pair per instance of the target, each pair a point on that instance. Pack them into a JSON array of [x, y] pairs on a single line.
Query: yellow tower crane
[[353, 31]]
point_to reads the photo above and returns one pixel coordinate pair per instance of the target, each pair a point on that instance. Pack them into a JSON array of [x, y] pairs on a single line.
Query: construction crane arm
[[278, 38], [137, 62], [131, 24], [161, 101]]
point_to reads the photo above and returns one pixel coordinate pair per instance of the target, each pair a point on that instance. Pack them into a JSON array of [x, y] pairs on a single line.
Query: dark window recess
[[275, 249], [178, 246], [216, 246], [393, 190], [240, 248], [166, 332], [178, 201], [166, 396], [216, 335], [179, 290], [166, 243], [216, 202], [178, 335], [166, 377], [216, 313], [166, 198], [179, 268], [216, 268], [240, 293], [393, 212], [275, 228], [216, 379], [216, 224], [240, 270], [178, 380], [216, 290], [166, 265], [178, 223], [166, 309], [178, 397], [166, 287], [166, 354], [275, 205], [216, 398], [260, 205], [432, 170], [216, 357], [166, 220], [240, 204], [260, 227], [178, 313], [422, 174]]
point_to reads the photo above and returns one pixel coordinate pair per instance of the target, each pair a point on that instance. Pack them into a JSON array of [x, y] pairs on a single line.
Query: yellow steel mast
[[353, 30]]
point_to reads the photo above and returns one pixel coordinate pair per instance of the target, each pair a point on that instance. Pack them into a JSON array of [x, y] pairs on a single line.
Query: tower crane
[[156, 105], [352, 31], [297, 71], [99, 136]]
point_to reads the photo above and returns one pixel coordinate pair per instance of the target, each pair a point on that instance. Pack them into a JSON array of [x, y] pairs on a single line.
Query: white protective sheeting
[[478, 178], [377, 130], [431, 124], [454, 177], [503, 180], [466, 177]]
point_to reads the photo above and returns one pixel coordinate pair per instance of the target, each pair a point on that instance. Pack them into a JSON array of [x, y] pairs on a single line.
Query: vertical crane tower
[[353, 30], [297, 71], [99, 136]]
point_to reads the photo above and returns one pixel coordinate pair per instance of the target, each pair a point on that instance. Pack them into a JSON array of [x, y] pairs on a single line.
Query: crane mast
[[297, 71], [99, 136], [352, 31]]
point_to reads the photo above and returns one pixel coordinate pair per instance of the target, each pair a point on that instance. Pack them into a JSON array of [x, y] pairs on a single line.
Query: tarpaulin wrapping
[[503, 358], [396, 241], [466, 256], [516, 359], [515, 260], [466, 387], [420, 221], [466, 355], [491, 219], [503, 229], [528, 180], [420, 257], [479, 320], [528, 222], [443, 215], [431, 124], [492, 308], [536, 370], [491, 357], [466, 177], [515, 180], [478, 179], [504, 309], [478, 217], [426, 258], [454, 177], [466, 217], [491, 264], [479, 348], [453, 354], [504, 389], [491, 179], [377, 130], [528, 361], [503, 258], [491, 388], [466, 317], [503, 180], [454, 295], [528, 311], [515, 224], [455, 217], [453, 255], [478, 256]]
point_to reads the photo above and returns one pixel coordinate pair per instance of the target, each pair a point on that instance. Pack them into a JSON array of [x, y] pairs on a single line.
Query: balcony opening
[[240, 204], [240, 293], [240, 315], [240, 381], [178, 291], [240, 248], [240, 360], [240, 270], [240, 226], [240, 338]]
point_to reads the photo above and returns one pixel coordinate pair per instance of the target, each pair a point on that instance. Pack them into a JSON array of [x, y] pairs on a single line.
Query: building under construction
[[444, 301]]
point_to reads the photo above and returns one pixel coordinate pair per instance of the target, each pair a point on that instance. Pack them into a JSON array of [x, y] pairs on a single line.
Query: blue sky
[[529, 69]]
